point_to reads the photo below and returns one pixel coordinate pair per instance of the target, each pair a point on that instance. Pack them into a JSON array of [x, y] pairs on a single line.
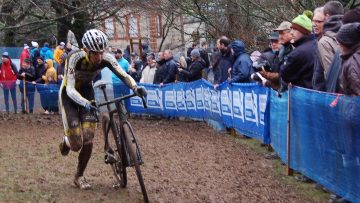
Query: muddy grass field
[[185, 161]]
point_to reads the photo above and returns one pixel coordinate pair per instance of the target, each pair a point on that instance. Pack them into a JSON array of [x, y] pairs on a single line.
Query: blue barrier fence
[[325, 128]]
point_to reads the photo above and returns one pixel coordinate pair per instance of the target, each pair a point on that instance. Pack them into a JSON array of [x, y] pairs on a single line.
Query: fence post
[[289, 171]]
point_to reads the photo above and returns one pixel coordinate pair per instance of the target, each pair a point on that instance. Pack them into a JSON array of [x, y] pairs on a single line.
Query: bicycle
[[125, 152]]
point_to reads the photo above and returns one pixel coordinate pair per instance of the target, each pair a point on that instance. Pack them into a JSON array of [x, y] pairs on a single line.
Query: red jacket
[[24, 54], [8, 74]]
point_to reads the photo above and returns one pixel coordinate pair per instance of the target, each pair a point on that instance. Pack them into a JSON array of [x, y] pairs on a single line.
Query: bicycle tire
[[118, 168], [131, 146]]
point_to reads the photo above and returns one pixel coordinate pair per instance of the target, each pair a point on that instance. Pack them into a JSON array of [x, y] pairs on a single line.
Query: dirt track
[[184, 162]]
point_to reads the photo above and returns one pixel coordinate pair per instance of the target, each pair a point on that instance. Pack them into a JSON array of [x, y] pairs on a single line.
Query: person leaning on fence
[[60, 68], [242, 66], [8, 76], [194, 72], [271, 62], [148, 73], [171, 67], [27, 72], [348, 38], [224, 63], [160, 68], [299, 64], [34, 53], [77, 98]]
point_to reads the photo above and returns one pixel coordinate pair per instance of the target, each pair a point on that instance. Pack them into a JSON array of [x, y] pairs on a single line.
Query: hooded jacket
[[50, 73], [350, 73], [242, 67], [46, 53], [327, 44]]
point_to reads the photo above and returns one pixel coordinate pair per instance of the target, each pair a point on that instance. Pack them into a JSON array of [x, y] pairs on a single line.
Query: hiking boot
[[82, 183], [272, 156], [64, 149]]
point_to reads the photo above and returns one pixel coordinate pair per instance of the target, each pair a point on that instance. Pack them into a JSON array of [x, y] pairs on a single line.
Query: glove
[[90, 105], [140, 91]]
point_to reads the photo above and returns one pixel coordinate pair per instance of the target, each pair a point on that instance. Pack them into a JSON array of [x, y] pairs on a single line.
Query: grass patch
[[307, 190]]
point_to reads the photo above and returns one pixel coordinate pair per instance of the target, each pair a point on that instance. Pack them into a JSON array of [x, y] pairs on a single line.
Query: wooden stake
[[24, 94], [289, 171]]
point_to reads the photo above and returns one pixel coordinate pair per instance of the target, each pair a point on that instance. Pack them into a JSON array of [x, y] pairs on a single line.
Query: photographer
[[268, 64]]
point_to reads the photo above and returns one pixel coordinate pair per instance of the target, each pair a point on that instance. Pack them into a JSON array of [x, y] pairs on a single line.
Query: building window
[[133, 23], [159, 25], [109, 27]]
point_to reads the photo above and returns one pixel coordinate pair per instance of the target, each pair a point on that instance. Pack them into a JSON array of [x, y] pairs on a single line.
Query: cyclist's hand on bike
[[90, 106], [140, 91]]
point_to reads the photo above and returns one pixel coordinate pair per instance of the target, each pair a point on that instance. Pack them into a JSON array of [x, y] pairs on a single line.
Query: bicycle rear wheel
[[134, 156], [119, 165]]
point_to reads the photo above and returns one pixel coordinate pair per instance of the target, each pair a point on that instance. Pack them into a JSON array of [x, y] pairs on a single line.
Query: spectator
[[299, 64], [39, 71], [194, 72], [242, 67], [119, 88], [127, 54], [50, 76], [224, 63], [136, 67], [46, 52], [24, 54], [349, 41], [124, 64], [204, 53], [60, 49], [8, 76], [183, 64], [34, 53], [148, 72], [333, 11], [160, 68], [318, 22], [170, 68], [188, 52], [68, 48], [27, 72], [270, 60], [352, 16], [61, 67]]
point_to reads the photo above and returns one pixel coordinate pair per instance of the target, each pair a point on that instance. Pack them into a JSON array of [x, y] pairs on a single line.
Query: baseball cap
[[285, 25]]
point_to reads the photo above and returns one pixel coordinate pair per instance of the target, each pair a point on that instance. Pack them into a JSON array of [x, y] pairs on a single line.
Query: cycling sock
[[84, 157]]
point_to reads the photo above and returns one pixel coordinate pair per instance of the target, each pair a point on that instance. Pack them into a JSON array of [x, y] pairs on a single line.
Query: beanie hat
[[34, 44], [349, 34], [303, 23], [352, 16], [26, 46], [6, 55], [195, 53]]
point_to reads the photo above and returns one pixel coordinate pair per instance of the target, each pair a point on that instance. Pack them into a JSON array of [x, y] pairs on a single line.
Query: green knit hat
[[303, 23]]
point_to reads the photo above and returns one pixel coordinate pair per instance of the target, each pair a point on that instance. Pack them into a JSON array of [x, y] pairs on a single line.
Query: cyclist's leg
[[88, 125], [71, 122]]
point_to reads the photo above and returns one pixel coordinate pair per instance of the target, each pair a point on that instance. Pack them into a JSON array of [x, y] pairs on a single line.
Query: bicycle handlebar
[[120, 99]]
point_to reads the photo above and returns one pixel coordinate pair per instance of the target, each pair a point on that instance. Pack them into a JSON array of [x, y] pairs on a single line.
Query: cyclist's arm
[[70, 77], [113, 65]]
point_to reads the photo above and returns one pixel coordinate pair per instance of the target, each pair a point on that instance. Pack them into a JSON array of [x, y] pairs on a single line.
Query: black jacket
[[222, 66], [160, 72], [170, 71], [298, 68], [194, 72], [29, 74]]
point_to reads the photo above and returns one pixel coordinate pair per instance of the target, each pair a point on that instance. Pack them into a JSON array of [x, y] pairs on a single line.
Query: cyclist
[[77, 95]]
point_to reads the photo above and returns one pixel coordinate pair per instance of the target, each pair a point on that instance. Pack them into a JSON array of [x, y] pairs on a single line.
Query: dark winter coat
[[160, 72], [299, 65], [350, 72], [170, 71], [242, 67], [29, 74], [222, 66], [194, 72]]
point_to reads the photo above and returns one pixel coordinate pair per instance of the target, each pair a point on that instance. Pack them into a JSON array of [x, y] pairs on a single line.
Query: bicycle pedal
[[109, 158]]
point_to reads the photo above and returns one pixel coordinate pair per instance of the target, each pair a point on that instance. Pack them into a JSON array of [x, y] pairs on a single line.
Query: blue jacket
[[241, 68], [46, 53], [299, 64]]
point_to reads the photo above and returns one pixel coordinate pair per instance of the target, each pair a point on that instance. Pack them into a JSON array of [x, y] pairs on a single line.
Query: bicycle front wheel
[[134, 156], [118, 164]]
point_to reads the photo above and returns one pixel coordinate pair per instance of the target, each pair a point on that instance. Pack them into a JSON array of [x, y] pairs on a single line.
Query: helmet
[[95, 40]]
